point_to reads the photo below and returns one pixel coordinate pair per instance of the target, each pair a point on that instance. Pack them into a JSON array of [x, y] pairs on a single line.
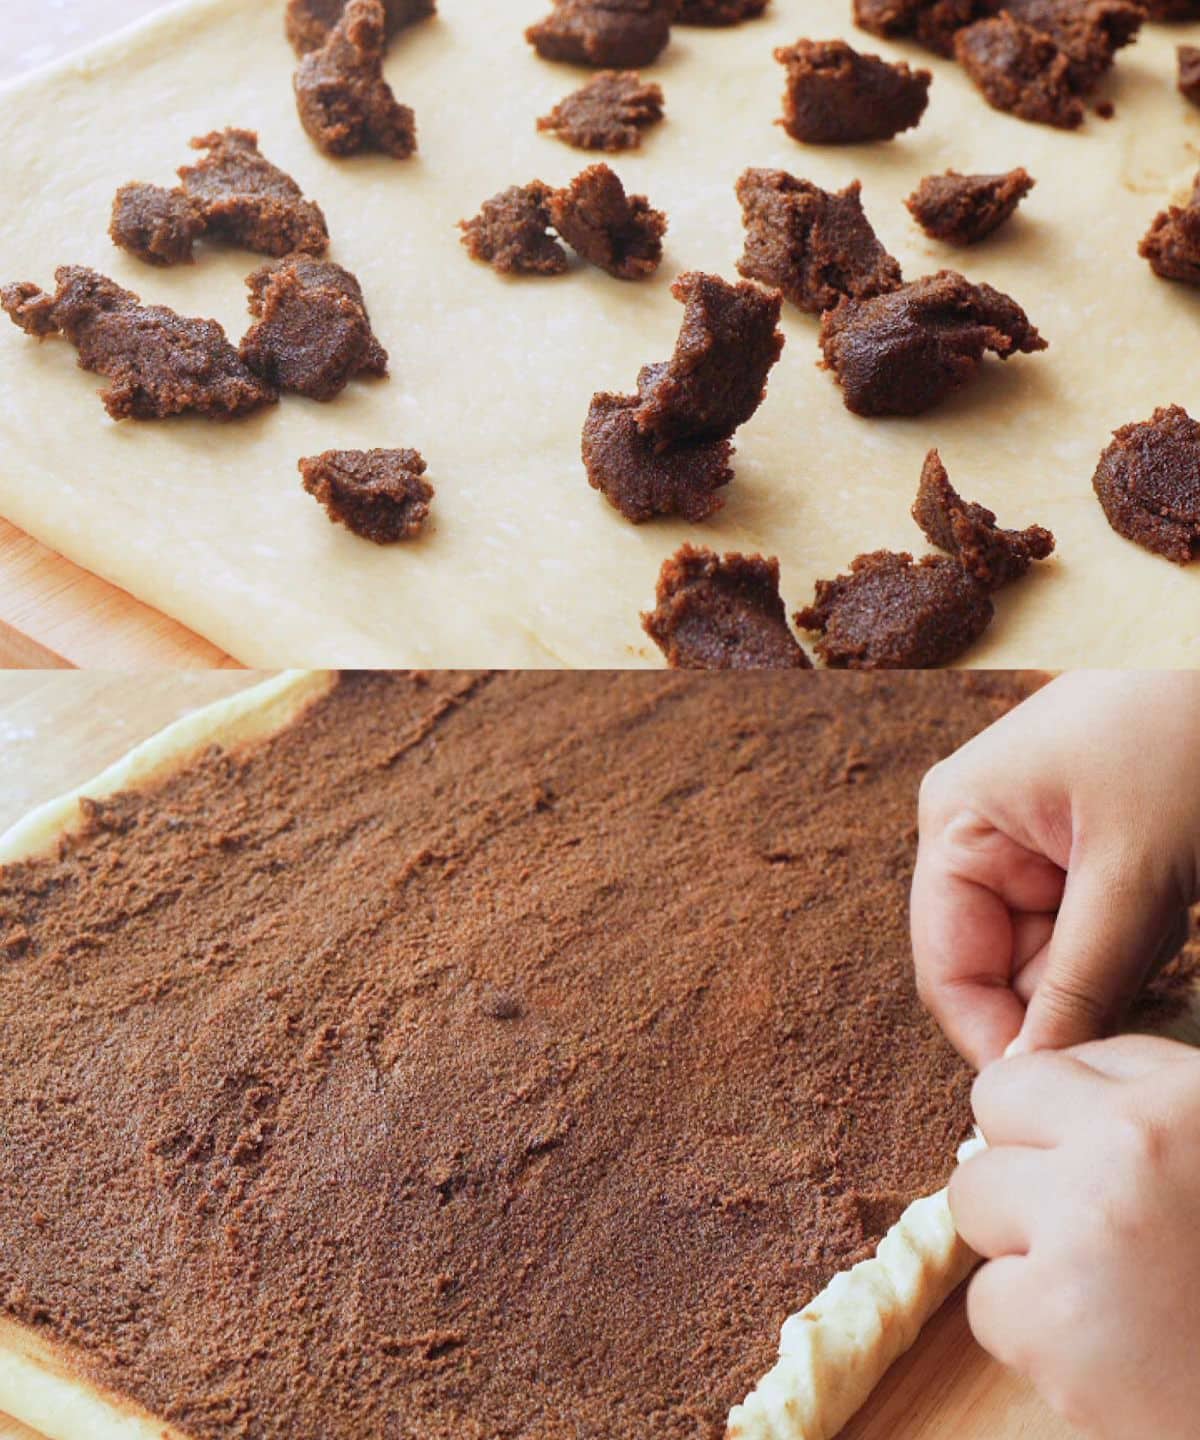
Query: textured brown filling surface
[[485, 1057]]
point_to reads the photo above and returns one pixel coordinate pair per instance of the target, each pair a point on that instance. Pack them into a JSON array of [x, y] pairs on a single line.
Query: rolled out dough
[[832, 1353], [523, 564]]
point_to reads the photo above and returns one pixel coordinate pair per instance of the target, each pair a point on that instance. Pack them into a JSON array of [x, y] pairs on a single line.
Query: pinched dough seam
[[835, 1351]]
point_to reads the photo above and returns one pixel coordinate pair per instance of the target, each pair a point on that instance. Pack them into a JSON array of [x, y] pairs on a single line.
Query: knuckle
[[1068, 1001], [936, 789], [1143, 1140], [929, 993], [984, 1088]]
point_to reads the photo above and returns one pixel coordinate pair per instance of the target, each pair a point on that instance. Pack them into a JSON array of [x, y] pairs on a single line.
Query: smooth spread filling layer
[[484, 1057]]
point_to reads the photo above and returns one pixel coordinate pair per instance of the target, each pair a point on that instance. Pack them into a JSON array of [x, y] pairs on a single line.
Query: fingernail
[[1016, 1047]]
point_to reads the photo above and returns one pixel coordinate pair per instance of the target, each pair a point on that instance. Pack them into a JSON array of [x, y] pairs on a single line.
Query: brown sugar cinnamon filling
[[481, 1057]]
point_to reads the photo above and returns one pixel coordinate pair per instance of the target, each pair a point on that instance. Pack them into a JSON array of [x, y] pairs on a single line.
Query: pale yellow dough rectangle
[[523, 563]]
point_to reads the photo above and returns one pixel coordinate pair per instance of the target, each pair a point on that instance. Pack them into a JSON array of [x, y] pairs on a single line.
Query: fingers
[[1109, 928], [977, 849], [997, 1304], [1037, 1100], [1031, 948], [994, 1198], [962, 943], [974, 890]]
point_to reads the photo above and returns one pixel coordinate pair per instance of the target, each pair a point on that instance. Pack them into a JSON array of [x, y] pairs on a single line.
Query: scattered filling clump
[[722, 614], [836, 96], [1033, 58], [1172, 244], [378, 494], [1188, 80], [608, 113], [666, 449], [933, 23], [893, 613], [233, 194], [1148, 482], [157, 225], [309, 22], [990, 555], [610, 34], [717, 377], [1021, 70], [343, 100], [964, 209], [902, 352], [641, 483], [1088, 32], [159, 363], [511, 232], [814, 245], [620, 233], [718, 12], [312, 334]]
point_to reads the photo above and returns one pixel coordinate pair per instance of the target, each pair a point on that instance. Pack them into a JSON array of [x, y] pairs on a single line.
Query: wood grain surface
[[58, 730], [11, 1430], [52, 612]]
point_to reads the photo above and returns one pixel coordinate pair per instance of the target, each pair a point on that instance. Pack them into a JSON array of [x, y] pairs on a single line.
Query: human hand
[[1059, 852], [1087, 1206]]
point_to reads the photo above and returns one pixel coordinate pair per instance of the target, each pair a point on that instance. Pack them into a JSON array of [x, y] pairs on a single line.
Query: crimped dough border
[[835, 1351], [832, 1353]]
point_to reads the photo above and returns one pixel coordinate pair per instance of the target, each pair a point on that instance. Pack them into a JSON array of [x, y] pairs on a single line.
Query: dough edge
[[40, 1388], [252, 714], [96, 55], [833, 1352]]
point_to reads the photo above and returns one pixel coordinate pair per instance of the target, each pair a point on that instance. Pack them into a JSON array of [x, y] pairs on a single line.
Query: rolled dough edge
[[835, 1351], [40, 1388], [832, 1353], [253, 714]]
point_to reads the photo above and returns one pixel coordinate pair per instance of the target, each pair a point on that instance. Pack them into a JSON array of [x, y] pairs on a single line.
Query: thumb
[[1106, 936]]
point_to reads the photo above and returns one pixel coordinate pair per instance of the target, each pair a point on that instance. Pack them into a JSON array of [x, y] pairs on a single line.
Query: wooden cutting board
[[52, 613], [56, 731]]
